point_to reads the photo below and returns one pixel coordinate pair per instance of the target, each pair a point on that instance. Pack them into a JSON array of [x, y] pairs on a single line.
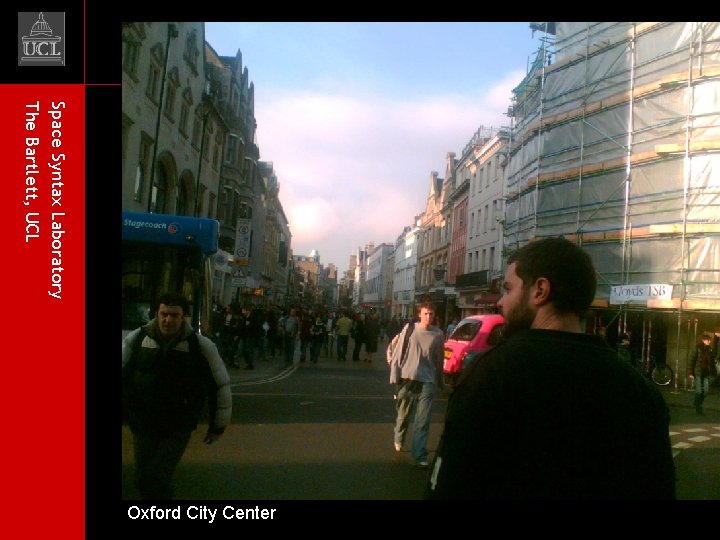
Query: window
[[191, 53], [182, 200], [201, 199], [207, 143], [244, 211], [224, 203], [212, 205], [153, 86], [143, 166], [197, 127], [173, 82], [131, 50], [169, 105], [218, 151], [158, 200], [126, 127], [185, 106], [157, 57], [231, 147], [485, 218], [132, 37], [184, 112]]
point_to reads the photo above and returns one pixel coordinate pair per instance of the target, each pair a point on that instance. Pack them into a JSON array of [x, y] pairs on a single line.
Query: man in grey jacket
[[417, 372], [169, 373]]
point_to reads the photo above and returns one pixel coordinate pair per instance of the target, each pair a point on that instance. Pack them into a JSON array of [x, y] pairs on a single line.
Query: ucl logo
[[40, 39]]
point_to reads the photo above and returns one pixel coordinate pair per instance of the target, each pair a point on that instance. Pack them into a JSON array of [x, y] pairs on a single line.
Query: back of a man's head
[[565, 265]]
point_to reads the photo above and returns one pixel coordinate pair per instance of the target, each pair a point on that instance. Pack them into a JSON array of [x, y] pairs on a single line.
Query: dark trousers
[[156, 458], [289, 348], [342, 346], [356, 350]]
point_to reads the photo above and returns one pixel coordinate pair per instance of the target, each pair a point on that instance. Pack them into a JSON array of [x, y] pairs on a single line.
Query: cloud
[[355, 167]]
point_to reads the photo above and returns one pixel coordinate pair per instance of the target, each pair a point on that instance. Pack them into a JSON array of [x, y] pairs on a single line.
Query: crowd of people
[[246, 334]]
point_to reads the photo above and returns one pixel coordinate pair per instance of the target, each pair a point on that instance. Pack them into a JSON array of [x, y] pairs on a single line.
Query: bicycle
[[659, 373]]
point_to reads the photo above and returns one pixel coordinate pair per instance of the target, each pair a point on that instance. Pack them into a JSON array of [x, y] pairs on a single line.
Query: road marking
[[700, 438], [280, 376]]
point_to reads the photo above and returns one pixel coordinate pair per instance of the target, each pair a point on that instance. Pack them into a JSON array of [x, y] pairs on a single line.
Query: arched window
[[182, 200], [158, 201]]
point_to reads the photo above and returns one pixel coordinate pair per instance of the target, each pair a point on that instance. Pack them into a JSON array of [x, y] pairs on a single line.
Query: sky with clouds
[[356, 116]]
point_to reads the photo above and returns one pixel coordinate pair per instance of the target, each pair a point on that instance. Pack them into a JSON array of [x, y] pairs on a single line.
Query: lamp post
[[439, 272], [172, 32], [207, 105]]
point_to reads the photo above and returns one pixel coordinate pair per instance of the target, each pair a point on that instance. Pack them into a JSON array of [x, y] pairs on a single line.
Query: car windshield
[[466, 330]]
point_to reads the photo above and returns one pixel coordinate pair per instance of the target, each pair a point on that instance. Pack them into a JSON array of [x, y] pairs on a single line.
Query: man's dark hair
[[172, 299], [565, 265]]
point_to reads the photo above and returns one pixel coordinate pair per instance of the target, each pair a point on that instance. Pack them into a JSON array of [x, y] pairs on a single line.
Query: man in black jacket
[[552, 413], [702, 370]]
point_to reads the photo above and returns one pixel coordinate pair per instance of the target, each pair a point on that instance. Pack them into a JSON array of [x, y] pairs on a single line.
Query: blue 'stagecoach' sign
[[168, 229]]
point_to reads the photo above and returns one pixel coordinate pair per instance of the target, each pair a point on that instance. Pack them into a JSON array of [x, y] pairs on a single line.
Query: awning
[[487, 300]]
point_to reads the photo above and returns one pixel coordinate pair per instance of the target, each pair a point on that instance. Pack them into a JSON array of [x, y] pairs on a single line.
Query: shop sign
[[640, 294]]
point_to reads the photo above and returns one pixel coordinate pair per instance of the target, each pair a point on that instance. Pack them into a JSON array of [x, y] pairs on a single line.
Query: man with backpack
[[169, 374], [416, 367]]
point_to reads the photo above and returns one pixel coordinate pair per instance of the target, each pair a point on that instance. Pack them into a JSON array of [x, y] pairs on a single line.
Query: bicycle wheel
[[662, 375]]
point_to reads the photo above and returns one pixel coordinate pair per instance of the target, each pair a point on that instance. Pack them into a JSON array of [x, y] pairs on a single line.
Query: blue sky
[[355, 116]]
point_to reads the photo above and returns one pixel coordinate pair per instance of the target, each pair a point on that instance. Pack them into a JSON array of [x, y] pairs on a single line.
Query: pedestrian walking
[[358, 335], [624, 350], [416, 369], [317, 338], [169, 376], [343, 327], [702, 370], [372, 335], [291, 327]]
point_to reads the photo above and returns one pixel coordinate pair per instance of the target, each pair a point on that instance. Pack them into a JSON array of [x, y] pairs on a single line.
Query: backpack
[[405, 343], [396, 366]]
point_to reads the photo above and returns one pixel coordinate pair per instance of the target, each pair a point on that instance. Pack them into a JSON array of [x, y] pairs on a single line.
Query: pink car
[[472, 336]]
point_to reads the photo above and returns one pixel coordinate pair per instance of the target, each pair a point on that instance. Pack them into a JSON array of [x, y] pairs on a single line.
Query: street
[[324, 432]]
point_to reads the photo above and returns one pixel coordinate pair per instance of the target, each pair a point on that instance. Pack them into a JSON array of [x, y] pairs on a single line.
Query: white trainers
[[398, 447], [422, 464]]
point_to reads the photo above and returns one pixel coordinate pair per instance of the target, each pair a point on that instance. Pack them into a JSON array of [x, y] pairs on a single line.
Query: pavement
[[681, 397]]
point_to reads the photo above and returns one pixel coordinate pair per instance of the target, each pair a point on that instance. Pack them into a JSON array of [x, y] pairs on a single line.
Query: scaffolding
[[616, 145]]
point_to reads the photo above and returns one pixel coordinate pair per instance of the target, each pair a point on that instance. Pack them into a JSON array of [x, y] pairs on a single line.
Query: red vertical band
[[43, 272]]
